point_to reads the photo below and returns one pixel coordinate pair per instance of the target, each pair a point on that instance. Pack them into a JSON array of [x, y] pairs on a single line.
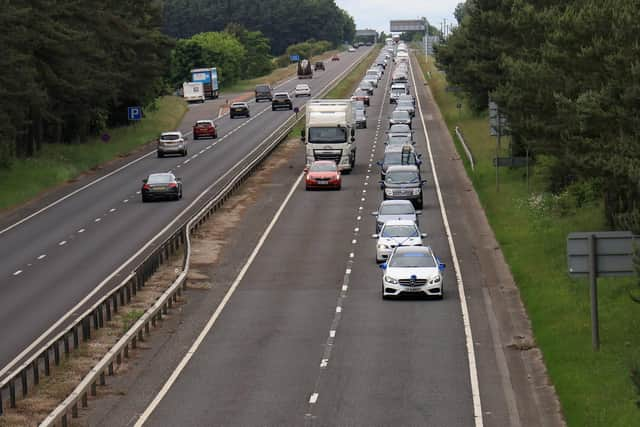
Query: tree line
[[69, 69], [566, 74], [283, 22]]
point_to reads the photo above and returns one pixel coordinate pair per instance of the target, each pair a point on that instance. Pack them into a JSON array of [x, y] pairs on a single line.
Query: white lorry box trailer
[[193, 92], [329, 132]]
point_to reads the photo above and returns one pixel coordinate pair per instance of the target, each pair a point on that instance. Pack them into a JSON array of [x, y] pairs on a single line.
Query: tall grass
[[595, 388], [57, 163]]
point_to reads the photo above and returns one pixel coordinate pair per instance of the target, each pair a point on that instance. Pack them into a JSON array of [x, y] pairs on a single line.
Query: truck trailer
[[329, 132], [209, 79], [304, 69]]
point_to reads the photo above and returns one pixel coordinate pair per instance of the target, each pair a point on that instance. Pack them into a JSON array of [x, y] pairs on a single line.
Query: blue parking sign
[[134, 113]]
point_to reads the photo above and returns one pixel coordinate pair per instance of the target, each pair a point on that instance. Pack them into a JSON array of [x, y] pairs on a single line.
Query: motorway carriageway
[[302, 336], [57, 262]]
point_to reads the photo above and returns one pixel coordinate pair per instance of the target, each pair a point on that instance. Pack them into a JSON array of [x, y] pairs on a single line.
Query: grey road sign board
[[400, 26], [614, 253]]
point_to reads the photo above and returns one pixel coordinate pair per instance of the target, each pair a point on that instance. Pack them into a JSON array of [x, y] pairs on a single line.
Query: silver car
[[395, 209], [171, 143]]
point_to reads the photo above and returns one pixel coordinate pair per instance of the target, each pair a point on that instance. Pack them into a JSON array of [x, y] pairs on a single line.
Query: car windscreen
[[323, 167], [170, 137], [400, 129], [400, 115], [404, 104], [400, 231], [397, 159], [412, 259], [163, 178], [397, 210], [402, 177], [332, 134], [398, 139]]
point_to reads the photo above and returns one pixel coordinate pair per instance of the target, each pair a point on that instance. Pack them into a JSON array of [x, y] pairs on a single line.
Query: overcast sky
[[376, 14]]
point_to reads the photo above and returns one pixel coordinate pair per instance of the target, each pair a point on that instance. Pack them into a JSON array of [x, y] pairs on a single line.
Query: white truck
[[329, 132], [193, 92]]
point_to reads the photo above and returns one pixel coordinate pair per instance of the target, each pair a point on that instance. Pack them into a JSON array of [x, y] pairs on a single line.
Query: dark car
[[335, 58], [239, 109], [398, 155], [263, 92], [403, 183], [160, 186], [281, 100], [319, 65], [204, 129]]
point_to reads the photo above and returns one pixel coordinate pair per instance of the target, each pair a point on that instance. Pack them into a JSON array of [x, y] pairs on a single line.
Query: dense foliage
[[567, 74], [283, 22], [69, 68]]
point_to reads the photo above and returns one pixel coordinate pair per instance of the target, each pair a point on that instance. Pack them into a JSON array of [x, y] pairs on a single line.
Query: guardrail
[[103, 310], [466, 148]]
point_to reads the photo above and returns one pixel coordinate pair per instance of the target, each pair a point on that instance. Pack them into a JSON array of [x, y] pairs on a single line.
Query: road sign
[[134, 113], [294, 58], [596, 254], [498, 123]]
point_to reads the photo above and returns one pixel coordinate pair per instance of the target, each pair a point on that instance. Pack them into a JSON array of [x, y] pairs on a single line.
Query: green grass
[[594, 387], [58, 163]]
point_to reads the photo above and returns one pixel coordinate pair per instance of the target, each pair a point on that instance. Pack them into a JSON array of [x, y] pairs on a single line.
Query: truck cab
[[329, 132]]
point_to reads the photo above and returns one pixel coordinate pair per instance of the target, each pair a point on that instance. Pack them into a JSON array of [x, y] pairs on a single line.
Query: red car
[[335, 58], [204, 129], [323, 174]]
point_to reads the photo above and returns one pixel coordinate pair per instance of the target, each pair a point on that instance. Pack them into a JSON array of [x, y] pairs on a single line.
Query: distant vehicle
[[335, 57], [399, 128], [352, 49], [239, 109], [361, 95], [263, 92], [204, 129], [372, 79], [329, 132], [319, 65], [400, 117], [403, 183], [374, 72], [304, 69], [281, 100], [398, 155], [367, 87], [406, 105], [412, 271], [395, 209], [396, 233], [171, 143], [361, 119], [193, 92], [323, 174], [359, 105], [302, 90], [209, 79], [397, 90], [399, 139], [161, 186]]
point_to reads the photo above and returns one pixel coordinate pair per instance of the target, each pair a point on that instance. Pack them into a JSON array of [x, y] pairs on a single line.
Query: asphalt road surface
[[55, 259], [306, 338]]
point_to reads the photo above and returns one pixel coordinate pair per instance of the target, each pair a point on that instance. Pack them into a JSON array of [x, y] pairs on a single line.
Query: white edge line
[[194, 347], [473, 369]]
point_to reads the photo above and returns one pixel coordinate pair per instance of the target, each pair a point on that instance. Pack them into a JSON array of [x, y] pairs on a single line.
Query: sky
[[376, 14]]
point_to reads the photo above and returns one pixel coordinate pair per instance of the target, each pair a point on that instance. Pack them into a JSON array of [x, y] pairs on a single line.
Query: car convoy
[[410, 268]]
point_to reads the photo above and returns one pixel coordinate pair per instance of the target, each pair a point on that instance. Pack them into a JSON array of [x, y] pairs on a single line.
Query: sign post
[[595, 254], [134, 114]]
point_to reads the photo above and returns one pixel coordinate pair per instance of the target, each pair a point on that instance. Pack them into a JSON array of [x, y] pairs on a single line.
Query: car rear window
[[160, 178], [323, 167], [281, 95], [263, 88], [170, 137]]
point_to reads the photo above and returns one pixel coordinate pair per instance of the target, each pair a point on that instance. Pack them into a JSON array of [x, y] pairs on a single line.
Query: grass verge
[[58, 163], [595, 388]]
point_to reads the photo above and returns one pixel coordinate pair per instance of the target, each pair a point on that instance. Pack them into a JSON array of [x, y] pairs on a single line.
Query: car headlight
[[435, 280], [416, 191], [383, 246], [391, 280], [388, 192]]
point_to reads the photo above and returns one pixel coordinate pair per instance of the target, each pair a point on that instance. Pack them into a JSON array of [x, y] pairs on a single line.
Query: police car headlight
[[388, 192], [416, 191], [391, 280]]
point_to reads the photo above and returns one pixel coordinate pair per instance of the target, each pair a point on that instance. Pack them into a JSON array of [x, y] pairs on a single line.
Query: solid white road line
[[473, 369], [43, 256], [194, 347]]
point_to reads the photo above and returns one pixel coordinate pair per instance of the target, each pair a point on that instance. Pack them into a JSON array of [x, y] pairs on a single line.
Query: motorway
[[304, 338], [58, 261]]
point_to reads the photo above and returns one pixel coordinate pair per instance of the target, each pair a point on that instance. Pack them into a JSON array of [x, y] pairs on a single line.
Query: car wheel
[[339, 187], [160, 155], [290, 107], [306, 188], [144, 199], [273, 108]]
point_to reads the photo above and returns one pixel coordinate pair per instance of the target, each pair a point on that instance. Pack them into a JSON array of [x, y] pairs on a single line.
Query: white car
[[302, 90], [352, 49], [412, 271], [171, 143], [396, 233]]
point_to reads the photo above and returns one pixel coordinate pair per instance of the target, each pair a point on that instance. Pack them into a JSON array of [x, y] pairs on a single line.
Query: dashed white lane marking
[[137, 192], [43, 256], [17, 273], [186, 161], [351, 255], [348, 271], [355, 230], [358, 218], [82, 230], [332, 333], [177, 166], [345, 288], [62, 243], [324, 363], [97, 220], [363, 199], [112, 210], [125, 201], [313, 398], [354, 241], [338, 309]]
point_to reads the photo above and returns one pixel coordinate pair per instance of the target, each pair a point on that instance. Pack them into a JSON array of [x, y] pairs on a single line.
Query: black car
[[398, 155], [319, 65], [403, 182], [161, 186], [239, 109], [263, 92], [281, 100]]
